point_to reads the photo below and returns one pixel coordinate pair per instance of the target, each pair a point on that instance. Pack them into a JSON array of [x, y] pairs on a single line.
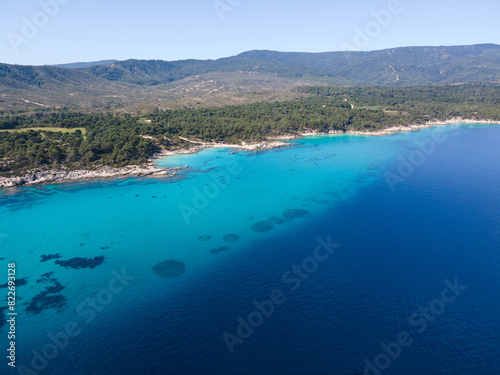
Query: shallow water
[[402, 232]]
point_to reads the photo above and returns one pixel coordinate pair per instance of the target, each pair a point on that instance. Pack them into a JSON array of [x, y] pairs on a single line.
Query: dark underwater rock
[[219, 250], [231, 237], [46, 258], [275, 220], [262, 226], [19, 282], [77, 263], [295, 213], [169, 269], [50, 298]]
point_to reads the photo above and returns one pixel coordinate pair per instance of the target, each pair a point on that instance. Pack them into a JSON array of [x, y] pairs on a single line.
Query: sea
[[338, 254]]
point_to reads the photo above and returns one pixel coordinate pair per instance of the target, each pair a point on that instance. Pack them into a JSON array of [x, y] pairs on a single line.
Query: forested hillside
[[92, 140], [141, 85], [397, 66]]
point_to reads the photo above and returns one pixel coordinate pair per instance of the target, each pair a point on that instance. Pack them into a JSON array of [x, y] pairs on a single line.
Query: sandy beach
[[151, 169]]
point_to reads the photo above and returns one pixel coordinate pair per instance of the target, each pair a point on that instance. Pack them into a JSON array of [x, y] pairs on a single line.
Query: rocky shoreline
[[57, 176], [199, 145], [64, 175], [150, 169]]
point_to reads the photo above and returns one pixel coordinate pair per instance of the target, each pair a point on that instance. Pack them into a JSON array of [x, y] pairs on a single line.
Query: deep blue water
[[401, 243]]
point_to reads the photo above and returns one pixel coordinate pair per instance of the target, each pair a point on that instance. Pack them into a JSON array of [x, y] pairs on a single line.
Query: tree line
[[118, 140]]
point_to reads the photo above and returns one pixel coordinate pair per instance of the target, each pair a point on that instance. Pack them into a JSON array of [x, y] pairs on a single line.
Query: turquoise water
[[400, 234]]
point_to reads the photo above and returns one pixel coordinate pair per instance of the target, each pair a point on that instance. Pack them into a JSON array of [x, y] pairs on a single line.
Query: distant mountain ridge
[[395, 66], [80, 65], [76, 83]]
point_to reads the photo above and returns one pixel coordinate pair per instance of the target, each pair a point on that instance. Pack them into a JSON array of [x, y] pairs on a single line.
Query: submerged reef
[[231, 237], [262, 226], [77, 263], [49, 298], [275, 220], [19, 282], [45, 278], [219, 250], [295, 213], [2, 320], [46, 258], [169, 269]]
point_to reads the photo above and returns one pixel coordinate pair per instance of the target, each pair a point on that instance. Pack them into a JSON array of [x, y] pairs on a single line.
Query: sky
[[38, 32]]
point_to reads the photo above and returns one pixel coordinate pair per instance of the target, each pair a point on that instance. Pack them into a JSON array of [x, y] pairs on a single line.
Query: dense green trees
[[109, 140], [121, 140], [331, 108], [394, 67]]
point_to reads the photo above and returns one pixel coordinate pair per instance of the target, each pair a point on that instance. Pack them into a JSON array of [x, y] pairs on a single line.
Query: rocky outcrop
[[63, 175], [53, 176]]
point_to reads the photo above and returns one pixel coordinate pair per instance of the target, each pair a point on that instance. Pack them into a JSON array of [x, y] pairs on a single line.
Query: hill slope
[[397, 66], [255, 74], [80, 65]]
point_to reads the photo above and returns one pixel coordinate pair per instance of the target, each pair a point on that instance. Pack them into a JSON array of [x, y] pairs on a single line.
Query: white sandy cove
[[200, 145], [393, 129], [151, 169], [396, 129]]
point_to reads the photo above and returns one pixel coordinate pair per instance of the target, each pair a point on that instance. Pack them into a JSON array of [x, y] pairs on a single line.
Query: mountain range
[[249, 76]]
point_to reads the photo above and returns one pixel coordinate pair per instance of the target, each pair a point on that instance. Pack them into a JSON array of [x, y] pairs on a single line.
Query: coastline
[[199, 145], [415, 127], [152, 170], [62, 175], [392, 129]]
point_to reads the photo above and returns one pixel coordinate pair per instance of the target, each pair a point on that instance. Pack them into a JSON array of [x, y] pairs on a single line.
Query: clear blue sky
[[89, 30]]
